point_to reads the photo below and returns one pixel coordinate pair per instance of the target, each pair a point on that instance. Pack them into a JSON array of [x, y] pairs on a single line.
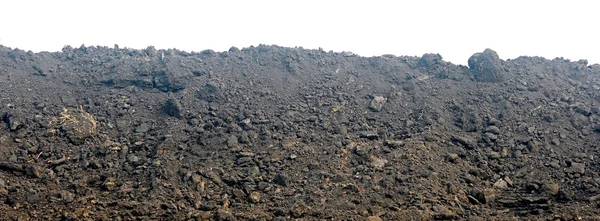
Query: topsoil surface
[[274, 133]]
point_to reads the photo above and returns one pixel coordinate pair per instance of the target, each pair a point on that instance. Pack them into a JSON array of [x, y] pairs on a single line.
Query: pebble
[[232, 141], [143, 128], [133, 159], [494, 121], [577, 168], [378, 162], [492, 129], [109, 184], [552, 188], [377, 103], [254, 197], [394, 143], [66, 196], [489, 195], [371, 135], [299, 210], [555, 141], [518, 154], [280, 179], [501, 184], [374, 218], [224, 214], [452, 157], [508, 181], [494, 155], [466, 142]]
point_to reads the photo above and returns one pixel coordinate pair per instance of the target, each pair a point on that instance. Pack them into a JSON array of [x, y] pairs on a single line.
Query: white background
[[455, 29]]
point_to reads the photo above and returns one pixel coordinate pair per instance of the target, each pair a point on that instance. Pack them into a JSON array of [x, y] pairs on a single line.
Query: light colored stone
[[374, 218], [501, 184], [377, 103], [378, 162]]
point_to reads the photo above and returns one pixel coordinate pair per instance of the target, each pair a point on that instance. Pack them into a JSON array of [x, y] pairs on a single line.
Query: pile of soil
[[274, 133]]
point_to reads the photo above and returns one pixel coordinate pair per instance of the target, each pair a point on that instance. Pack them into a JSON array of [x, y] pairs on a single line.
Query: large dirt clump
[[487, 66]]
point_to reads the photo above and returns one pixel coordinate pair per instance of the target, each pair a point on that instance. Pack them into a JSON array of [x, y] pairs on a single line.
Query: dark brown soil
[[273, 133]]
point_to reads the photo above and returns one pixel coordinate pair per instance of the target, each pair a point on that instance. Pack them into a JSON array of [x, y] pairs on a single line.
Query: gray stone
[[377, 103], [232, 141], [244, 138], [491, 136], [466, 142], [494, 155], [371, 135], [394, 143], [518, 154], [492, 129], [143, 128], [133, 159], [576, 168]]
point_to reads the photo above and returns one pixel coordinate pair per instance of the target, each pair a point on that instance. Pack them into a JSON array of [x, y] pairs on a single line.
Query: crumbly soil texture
[[275, 133]]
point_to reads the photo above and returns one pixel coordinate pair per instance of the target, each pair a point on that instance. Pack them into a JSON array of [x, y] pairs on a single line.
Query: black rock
[[13, 120], [281, 179]]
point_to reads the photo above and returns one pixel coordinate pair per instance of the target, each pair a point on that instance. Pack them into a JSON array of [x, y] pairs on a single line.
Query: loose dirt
[[274, 133]]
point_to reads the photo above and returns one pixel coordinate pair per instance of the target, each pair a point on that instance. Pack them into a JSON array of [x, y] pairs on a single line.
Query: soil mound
[[274, 133]]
